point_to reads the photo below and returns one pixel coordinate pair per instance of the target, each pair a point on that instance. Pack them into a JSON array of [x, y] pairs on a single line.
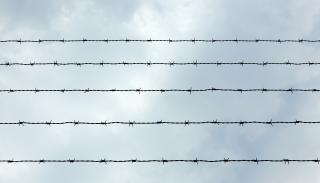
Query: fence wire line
[[160, 122], [139, 90], [193, 40], [163, 161], [150, 63]]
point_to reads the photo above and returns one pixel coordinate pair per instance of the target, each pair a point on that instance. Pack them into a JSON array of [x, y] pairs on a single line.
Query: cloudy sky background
[[175, 19]]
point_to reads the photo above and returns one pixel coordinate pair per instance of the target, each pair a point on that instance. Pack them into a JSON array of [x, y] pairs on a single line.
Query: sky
[[175, 19]]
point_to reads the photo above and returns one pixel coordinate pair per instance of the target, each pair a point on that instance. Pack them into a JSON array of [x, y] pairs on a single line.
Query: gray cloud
[[158, 19]]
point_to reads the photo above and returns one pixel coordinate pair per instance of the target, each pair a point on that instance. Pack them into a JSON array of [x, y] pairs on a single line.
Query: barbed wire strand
[[149, 63], [163, 161], [139, 90], [193, 40], [160, 122]]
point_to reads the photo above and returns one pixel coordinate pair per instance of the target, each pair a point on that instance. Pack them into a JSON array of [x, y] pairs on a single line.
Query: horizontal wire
[[149, 63], [139, 90], [160, 122], [127, 40], [225, 160]]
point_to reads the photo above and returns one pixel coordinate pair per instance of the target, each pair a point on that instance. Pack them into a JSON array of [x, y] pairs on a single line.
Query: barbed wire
[[139, 90], [149, 63], [160, 122], [193, 40], [163, 161]]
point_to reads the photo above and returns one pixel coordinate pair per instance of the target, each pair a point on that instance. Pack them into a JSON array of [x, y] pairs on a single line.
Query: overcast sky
[[175, 19]]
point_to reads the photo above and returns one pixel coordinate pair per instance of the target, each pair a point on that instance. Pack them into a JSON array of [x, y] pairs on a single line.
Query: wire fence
[[193, 40], [190, 90], [139, 90], [161, 122], [150, 63]]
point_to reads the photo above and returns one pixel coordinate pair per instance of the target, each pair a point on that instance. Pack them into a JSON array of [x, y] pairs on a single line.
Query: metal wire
[[163, 161], [149, 63], [161, 122], [193, 40], [139, 90]]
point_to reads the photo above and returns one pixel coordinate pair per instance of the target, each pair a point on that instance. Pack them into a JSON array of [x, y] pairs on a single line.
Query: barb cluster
[[193, 40], [149, 63], [160, 122], [139, 90], [163, 161]]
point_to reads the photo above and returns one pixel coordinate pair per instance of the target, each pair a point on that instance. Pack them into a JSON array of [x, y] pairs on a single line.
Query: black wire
[[127, 40], [139, 90], [149, 63], [225, 160], [160, 122]]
